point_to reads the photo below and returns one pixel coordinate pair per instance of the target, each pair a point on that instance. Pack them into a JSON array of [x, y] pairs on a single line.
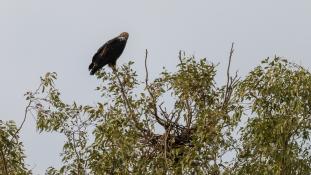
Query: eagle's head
[[124, 34]]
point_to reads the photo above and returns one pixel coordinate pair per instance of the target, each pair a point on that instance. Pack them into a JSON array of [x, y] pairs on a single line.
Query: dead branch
[[231, 81], [154, 102]]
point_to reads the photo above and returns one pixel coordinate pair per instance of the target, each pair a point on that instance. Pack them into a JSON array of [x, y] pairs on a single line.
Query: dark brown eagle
[[109, 53]]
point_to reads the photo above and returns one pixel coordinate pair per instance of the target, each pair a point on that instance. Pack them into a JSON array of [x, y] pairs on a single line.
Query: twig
[[25, 114], [146, 67], [229, 63], [163, 112], [229, 83], [179, 57]]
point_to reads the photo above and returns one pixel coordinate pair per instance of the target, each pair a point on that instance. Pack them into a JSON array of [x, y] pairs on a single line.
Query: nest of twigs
[[175, 137]]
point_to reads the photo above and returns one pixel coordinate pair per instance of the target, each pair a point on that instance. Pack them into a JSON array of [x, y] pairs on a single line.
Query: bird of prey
[[108, 53]]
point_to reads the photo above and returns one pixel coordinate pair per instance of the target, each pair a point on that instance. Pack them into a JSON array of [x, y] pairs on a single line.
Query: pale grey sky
[[39, 36]]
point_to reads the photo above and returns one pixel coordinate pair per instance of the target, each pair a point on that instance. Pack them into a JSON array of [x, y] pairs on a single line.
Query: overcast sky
[[39, 36]]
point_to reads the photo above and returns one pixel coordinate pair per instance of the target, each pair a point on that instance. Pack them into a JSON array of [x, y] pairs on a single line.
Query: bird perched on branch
[[109, 53]]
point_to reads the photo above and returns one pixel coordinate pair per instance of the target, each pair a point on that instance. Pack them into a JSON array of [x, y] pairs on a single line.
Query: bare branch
[[164, 113], [155, 110], [230, 80], [179, 56], [229, 63]]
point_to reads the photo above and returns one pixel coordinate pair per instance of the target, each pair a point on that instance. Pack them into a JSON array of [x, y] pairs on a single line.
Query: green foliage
[[276, 139], [11, 150], [180, 123]]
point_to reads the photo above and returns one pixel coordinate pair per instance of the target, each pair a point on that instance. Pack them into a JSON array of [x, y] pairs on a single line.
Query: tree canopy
[[182, 122]]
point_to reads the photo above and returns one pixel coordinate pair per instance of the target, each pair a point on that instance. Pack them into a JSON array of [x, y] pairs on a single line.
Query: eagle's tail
[[92, 72], [91, 66], [94, 69]]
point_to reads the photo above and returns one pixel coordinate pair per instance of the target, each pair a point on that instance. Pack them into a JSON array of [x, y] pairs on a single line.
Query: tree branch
[[154, 102], [127, 105], [25, 114], [230, 80]]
